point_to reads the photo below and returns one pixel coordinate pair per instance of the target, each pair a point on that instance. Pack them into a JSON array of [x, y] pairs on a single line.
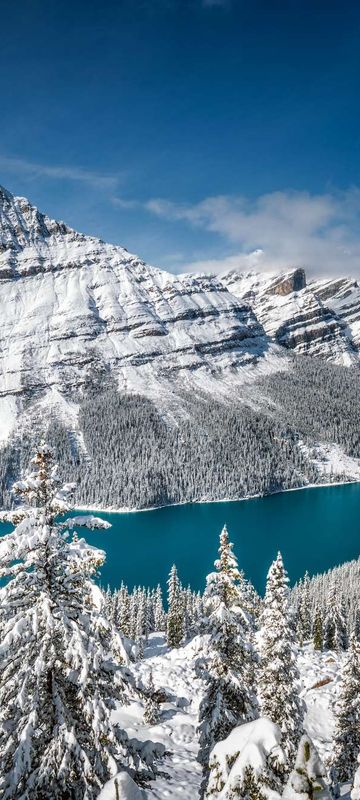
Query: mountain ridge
[[77, 310]]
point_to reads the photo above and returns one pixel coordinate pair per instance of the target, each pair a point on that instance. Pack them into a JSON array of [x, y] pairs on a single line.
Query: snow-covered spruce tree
[[305, 608], [229, 698], [151, 708], [278, 674], [160, 617], [150, 615], [317, 631], [58, 676], [335, 633], [303, 615], [123, 612], [346, 746], [251, 599], [175, 615], [247, 764], [140, 629], [308, 778], [355, 628], [133, 614]]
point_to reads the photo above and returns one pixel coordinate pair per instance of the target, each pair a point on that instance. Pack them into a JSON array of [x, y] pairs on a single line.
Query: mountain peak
[[22, 224], [5, 195]]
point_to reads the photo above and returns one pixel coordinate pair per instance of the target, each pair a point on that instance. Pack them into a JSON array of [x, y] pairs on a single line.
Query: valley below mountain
[[158, 388]]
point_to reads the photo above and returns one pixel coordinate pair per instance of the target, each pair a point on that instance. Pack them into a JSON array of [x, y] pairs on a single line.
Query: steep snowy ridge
[[310, 319], [75, 310]]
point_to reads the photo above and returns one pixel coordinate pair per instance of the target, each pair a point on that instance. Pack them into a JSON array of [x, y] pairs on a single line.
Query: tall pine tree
[[175, 616], [278, 674], [335, 633], [59, 677], [317, 631], [229, 696]]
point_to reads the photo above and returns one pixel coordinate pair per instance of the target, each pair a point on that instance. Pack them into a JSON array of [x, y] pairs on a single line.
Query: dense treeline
[[327, 606], [319, 401], [129, 455]]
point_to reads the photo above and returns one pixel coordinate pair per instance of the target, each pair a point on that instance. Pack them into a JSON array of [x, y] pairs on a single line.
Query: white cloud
[[35, 170], [277, 230]]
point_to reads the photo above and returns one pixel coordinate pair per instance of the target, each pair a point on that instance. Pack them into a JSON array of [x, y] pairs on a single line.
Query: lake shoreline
[[112, 510]]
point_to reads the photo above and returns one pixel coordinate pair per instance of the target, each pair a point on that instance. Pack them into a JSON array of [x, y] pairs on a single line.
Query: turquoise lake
[[315, 529]]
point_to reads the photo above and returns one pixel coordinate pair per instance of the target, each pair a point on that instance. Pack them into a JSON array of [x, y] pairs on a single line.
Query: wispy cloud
[[36, 170], [276, 230]]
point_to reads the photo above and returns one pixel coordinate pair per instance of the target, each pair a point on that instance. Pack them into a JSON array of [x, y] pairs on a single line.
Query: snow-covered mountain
[[321, 318], [75, 310]]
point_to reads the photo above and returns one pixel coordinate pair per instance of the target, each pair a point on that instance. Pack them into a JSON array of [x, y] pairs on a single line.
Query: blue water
[[315, 529]]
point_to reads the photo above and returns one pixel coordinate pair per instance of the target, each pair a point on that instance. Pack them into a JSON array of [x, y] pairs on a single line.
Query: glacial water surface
[[315, 529]]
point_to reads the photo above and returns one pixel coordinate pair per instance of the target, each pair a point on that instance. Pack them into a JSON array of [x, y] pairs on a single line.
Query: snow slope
[[174, 671]]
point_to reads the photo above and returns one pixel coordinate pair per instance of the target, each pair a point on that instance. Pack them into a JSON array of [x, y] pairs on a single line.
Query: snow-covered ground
[[331, 461], [174, 672]]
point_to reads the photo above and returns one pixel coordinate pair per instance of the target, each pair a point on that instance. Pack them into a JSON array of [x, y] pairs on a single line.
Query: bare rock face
[[290, 283]]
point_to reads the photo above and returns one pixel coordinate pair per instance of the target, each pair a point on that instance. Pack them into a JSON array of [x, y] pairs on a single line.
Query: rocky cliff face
[[75, 311], [319, 318]]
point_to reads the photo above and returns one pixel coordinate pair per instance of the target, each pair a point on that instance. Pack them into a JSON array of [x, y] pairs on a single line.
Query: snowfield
[[174, 671]]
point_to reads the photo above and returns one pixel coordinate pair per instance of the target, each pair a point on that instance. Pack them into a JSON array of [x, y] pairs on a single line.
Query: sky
[[200, 134]]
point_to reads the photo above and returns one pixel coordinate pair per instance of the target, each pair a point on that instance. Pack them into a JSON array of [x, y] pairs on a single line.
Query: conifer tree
[[151, 708], [247, 764], [308, 778], [229, 696], [59, 676], [251, 599], [305, 608], [278, 674], [149, 616], [317, 632], [175, 620], [133, 613], [140, 623], [124, 612], [356, 624], [335, 634], [347, 721], [159, 610]]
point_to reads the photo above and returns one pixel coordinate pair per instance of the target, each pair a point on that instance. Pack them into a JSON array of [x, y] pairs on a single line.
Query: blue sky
[[198, 133]]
